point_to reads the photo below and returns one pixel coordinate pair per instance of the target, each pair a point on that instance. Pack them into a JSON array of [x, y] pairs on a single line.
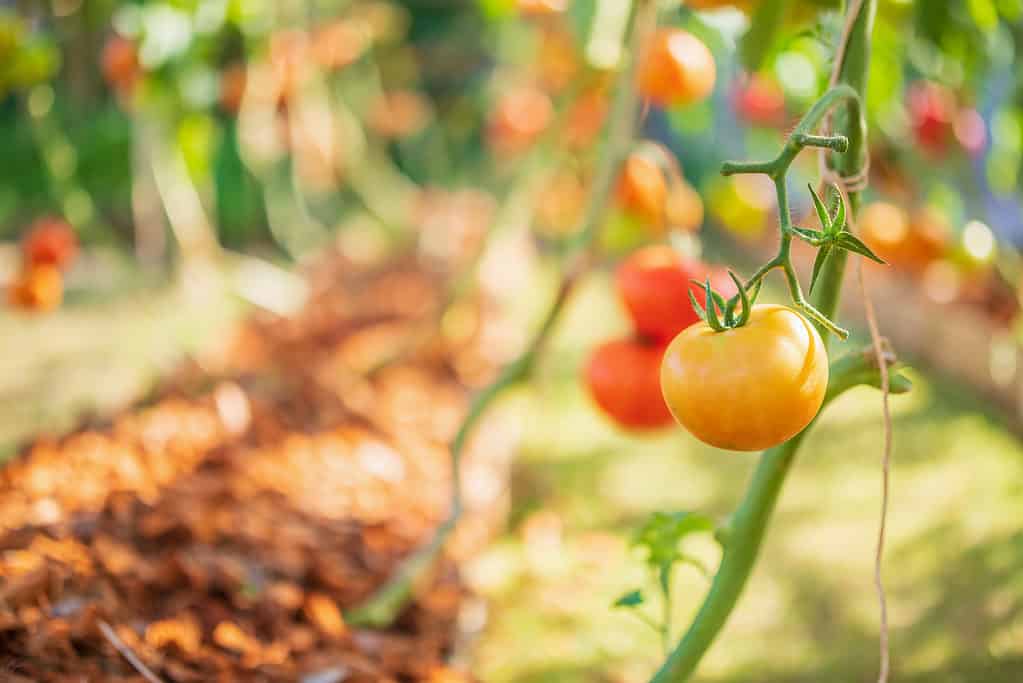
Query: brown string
[[847, 184]]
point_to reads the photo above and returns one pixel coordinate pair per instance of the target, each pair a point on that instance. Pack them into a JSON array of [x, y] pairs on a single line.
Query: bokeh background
[[188, 162]]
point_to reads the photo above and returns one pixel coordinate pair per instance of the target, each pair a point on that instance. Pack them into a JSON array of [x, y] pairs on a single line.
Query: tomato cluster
[[48, 249], [622, 375]]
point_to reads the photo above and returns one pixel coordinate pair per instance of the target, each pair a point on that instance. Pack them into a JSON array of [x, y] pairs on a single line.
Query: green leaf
[[818, 263], [813, 237], [822, 211], [662, 532], [851, 242], [631, 599], [765, 24]]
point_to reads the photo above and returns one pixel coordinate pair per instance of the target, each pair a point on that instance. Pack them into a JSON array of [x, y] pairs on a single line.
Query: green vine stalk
[[384, 606], [745, 532]]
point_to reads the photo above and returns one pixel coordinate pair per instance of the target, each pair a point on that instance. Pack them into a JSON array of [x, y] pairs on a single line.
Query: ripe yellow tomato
[[748, 388], [676, 68]]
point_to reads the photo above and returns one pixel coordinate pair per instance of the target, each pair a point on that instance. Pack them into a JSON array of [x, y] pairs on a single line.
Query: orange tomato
[[623, 378], [560, 204], [542, 7], [399, 114], [676, 68], [747, 388], [120, 63], [520, 117], [643, 190], [907, 242], [585, 118], [684, 208], [232, 87], [39, 288]]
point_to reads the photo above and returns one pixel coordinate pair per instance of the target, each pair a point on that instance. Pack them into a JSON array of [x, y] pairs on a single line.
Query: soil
[[219, 530]]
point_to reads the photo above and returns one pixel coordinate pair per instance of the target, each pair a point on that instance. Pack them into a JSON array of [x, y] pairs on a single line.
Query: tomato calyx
[[832, 235], [730, 317]]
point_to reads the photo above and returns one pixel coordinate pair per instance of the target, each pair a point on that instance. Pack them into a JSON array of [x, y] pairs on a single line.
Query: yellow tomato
[[748, 388]]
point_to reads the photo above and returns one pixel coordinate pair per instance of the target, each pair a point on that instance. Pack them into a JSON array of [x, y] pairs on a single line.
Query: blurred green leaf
[[764, 26], [631, 599], [663, 531]]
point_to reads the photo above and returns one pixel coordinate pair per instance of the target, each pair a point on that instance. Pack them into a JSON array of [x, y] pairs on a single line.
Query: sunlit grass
[[810, 611]]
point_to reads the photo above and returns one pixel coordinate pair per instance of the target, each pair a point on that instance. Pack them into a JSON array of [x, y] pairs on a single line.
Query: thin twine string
[[845, 185]]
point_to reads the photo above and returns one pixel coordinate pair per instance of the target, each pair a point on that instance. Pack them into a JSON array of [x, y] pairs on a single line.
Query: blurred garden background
[[259, 254]]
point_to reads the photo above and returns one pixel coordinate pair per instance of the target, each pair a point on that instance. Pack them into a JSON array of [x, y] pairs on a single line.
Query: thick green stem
[[747, 527], [383, 607]]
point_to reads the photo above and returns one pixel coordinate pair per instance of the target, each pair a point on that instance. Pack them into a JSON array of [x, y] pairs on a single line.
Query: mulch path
[[219, 531]]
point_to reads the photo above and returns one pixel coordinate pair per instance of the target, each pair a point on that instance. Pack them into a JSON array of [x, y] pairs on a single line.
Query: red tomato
[[931, 110], [623, 376], [50, 241], [654, 283], [760, 100], [120, 63]]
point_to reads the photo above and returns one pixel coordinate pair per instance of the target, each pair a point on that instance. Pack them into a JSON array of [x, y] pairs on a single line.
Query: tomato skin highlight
[[623, 377], [748, 388], [654, 284]]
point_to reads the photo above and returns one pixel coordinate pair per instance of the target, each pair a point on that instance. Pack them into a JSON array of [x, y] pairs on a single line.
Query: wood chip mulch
[[219, 531]]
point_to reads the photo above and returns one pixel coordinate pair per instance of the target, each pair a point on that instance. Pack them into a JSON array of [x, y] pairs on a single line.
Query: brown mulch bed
[[219, 531]]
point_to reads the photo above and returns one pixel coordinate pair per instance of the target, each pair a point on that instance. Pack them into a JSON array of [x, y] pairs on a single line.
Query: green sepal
[[851, 242], [822, 211], [712, 310], [813, 237], [818, 263], [744, 297], [700, 311], [663, 531], [838, 222]]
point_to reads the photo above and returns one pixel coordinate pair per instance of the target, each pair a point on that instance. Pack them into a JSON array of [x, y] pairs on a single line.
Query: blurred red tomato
[[120, 64], [676, 68], [624, 379], [931, 110], [760, 100], [50, 241], [654, 284], [907, 242]]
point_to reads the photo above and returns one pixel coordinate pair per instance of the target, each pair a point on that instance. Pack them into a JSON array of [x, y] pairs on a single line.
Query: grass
[[954, 566]]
